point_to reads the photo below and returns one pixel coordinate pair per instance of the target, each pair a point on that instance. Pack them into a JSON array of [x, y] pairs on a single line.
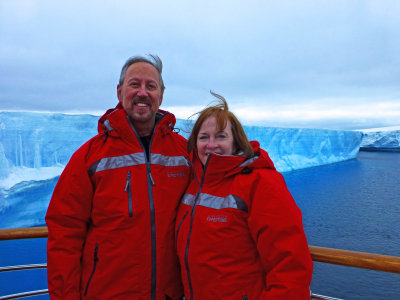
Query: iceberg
[[381, 139], [292, 149], [35, 147]]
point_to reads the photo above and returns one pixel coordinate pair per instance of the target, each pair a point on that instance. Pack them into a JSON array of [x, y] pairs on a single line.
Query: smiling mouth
[[140, 104]]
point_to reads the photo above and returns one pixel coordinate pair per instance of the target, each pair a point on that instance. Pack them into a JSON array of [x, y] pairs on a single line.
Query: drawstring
[[107, 130], [105, 135], [176, 130], [171, 127]]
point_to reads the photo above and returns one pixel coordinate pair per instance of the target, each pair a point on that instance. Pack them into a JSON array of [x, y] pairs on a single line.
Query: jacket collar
[[219, 167], [114, 122]]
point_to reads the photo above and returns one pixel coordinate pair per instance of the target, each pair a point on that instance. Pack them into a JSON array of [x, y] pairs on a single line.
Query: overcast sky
[[324, 64]]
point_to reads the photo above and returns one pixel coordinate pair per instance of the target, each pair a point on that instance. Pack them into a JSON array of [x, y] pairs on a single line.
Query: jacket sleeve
[[67, 218], [275, 224]]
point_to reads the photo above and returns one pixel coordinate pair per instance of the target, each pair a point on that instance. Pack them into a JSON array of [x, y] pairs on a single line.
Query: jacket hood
[[261, 158]]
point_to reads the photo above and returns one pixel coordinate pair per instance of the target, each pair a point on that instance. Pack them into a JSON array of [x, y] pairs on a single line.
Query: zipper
[[179, 227], [245, 298], [152, 218], [147, 159], [95, 260], [151, 206], [191, 225], [129, 190]]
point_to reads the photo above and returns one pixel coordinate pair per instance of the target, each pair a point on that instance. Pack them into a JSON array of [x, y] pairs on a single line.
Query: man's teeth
[[141, 104]]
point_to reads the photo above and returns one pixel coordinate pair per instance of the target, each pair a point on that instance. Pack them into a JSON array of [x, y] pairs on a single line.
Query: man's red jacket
[[112, 215]]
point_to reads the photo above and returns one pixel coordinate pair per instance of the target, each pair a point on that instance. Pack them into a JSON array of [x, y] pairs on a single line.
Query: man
[[112, 214]]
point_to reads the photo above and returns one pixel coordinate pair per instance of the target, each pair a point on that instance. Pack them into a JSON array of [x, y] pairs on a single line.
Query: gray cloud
[[66, 55]]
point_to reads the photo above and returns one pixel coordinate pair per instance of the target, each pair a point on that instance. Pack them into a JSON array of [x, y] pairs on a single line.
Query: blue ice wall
[[292, 149], [34, 148], [37, 140]]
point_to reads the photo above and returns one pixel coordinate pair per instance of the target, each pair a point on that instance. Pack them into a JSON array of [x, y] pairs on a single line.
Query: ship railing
[[371, 261]]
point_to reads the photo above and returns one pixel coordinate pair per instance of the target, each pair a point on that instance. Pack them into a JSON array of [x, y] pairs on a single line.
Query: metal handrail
[[23, 233], [42, 292], [24, 294]]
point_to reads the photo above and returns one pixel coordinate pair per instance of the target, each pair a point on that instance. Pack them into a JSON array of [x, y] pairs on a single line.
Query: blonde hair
[[222, 115]]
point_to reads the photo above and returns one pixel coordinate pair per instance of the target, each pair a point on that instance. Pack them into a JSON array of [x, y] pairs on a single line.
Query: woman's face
[[211, 140]]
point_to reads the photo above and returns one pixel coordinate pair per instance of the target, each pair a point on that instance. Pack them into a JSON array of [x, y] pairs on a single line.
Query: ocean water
[[353, 205]]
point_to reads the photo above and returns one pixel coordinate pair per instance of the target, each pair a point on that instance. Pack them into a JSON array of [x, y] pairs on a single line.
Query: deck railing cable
[[23, 267], [24, 294]]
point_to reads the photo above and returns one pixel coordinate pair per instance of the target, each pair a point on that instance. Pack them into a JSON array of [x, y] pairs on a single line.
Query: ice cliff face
[[35, 147], [36, 140], [381, 139], [292, 149]]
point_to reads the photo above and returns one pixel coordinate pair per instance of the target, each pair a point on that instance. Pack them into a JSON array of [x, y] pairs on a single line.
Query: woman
[[239, 233]]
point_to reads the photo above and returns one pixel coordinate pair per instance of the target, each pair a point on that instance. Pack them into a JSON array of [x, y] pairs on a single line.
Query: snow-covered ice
[[381, 139]]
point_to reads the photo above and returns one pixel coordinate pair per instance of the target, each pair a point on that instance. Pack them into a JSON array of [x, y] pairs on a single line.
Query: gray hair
[[154, 60]]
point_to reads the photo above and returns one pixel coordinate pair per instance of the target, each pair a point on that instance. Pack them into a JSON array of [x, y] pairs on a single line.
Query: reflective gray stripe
[[115, 162], [168, 161], [206, 200], [188, 199], [109, 163]]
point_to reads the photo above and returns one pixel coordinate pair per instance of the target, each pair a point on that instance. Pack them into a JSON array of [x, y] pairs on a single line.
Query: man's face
[[140, 94]]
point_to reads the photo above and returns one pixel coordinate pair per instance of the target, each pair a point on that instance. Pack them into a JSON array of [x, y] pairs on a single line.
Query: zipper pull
[[151, 178], [128, 181]]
